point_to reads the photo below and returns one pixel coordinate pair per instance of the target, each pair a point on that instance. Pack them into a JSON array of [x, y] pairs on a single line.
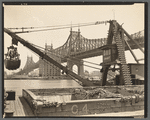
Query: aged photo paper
[[82, 60]]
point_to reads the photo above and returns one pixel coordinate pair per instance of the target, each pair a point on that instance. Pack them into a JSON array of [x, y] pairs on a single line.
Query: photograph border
[[85, 3]]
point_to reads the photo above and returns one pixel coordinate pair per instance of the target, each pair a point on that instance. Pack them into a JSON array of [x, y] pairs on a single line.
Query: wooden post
[[9, 113]]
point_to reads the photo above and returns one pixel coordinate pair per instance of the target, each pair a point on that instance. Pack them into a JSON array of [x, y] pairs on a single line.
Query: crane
[[16, 39], [115, 47]]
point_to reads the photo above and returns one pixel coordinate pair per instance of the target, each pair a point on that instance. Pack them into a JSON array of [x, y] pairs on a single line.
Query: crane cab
[[109, 53]]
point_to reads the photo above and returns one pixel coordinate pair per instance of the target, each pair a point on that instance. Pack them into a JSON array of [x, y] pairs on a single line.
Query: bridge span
[[79, 47]]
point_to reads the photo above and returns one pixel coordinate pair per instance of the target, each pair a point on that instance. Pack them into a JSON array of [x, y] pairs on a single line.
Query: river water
[[18, 85]]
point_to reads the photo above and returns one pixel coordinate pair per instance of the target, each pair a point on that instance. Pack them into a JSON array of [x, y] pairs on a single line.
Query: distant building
[[86, 74], [46, 68], [95, 73], [34, 73]]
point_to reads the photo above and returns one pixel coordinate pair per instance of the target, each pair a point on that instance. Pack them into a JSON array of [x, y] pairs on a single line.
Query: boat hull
[[66, 103]]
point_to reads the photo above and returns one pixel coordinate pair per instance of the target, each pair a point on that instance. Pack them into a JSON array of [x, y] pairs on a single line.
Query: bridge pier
[[78, 63]]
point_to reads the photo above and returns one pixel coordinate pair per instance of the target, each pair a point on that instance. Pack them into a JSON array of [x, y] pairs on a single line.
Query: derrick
[[114, 54], [16, 39]]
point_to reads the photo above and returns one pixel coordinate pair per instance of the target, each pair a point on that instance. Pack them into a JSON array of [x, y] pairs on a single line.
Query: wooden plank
[[18, 108], [26, 107], [15, 112], [9, 107], [12, 106], [21, 106], [25, 111]]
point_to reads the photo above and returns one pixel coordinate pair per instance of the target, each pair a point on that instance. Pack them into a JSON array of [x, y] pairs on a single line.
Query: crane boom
[[16, 38]]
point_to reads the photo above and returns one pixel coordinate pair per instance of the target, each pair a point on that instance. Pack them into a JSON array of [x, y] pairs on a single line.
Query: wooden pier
[[19, 107]]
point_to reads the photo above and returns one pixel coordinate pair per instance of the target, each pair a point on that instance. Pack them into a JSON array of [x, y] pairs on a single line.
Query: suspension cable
[[63, 58], [74, 61], [49, 26], [95, 23], [91, 67], [73, 69], [47, 61]]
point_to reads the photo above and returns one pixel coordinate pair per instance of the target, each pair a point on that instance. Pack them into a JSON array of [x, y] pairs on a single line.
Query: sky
[[131, 16]]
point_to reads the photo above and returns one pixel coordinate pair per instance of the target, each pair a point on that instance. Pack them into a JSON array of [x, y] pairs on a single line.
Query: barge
[[79, 102], [84, 101]]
